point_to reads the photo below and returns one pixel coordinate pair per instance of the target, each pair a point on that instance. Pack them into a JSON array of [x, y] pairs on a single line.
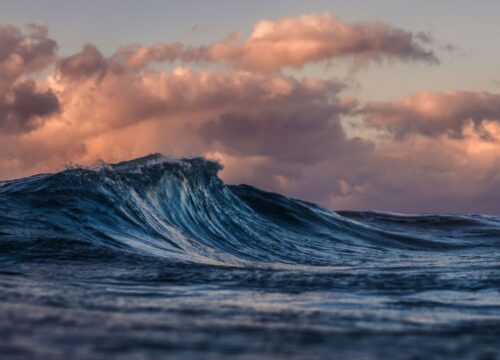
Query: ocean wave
[[181, 211]]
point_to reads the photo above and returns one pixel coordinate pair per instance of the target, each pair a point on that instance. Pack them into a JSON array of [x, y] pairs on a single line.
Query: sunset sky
[[379, 105]]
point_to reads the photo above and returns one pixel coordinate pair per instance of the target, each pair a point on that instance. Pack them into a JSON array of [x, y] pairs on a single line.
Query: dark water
[[156, 259]]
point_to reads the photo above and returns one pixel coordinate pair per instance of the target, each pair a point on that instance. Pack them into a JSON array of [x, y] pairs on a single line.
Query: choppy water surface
[[157, 258]]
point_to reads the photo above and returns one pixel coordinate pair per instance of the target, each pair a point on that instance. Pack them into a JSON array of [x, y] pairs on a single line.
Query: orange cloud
[[435, 114], [23, 53], [292, 43], [295, 42]]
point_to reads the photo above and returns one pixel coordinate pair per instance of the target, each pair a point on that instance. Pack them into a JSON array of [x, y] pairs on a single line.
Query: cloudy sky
[[386, 105]]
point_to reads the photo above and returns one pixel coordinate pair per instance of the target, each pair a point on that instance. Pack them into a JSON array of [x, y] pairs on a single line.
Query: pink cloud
[[292, 43], [295, 42], [434, 114], [23, 53]]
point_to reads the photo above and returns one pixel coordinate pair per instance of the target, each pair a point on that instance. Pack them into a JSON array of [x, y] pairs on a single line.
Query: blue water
[[157, 258]]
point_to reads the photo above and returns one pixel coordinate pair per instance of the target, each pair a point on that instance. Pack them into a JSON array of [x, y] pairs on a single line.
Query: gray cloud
[[84, 64], [24, 107], [284, 133]]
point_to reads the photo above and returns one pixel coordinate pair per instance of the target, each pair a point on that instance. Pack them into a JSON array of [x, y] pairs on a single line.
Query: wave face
[[136, 228]]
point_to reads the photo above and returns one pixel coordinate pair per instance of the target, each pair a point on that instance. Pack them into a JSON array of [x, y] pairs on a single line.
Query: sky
[[362, 105]]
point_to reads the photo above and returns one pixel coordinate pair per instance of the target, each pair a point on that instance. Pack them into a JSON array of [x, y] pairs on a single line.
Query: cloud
[[429, 174], [137, 56], [23, 53], [84, 64], [293, 43], [285, 132], [122, 98], [303, 153], [23, 106], [435, 114]]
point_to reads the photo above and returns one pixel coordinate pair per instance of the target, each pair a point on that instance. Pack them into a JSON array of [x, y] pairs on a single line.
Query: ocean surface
[[157, 258]]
